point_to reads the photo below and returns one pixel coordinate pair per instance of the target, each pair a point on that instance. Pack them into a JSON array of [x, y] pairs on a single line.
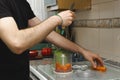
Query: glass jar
[[62, 61]]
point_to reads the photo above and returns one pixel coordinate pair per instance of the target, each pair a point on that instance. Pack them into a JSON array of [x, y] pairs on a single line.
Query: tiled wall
[[98, 23], [103, 14], [98, 29]]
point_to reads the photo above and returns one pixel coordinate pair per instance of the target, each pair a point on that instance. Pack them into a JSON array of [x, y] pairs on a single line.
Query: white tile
[[106, 55], [94, 13], [106, 41], [101, 9], [82, 14], [88, 14], [100, 1], [106, 10], [116, 41], [95, 1], [87, 37], [117, 8]]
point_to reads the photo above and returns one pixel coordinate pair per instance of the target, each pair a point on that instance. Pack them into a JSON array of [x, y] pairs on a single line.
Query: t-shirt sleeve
[[4, 9], [30, 14]]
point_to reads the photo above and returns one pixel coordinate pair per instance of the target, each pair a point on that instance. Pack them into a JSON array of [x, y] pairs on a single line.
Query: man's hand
[[67, 17], [95, 59]]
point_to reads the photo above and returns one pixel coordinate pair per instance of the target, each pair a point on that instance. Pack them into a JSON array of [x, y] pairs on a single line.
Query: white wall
[[104, 41], [39, 8]]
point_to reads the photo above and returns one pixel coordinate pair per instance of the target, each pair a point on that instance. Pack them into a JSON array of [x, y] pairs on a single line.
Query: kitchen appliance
[[83, 72], [62, 61]]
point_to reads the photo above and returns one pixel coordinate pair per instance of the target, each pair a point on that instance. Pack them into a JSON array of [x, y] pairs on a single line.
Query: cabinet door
[[82, 4], [64, 4], [79, 4]]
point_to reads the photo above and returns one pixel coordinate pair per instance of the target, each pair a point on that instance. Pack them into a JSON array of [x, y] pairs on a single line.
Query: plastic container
[[62, 61]]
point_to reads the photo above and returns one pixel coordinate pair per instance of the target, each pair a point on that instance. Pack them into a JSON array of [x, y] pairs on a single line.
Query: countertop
[[45, 68], [42, 61]]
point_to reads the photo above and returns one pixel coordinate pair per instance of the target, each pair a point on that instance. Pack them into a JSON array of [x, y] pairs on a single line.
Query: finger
[[73, 14], [93, 63], [100, 62]]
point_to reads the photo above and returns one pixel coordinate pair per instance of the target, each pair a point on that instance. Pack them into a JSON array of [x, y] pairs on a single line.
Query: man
[[16, 38]]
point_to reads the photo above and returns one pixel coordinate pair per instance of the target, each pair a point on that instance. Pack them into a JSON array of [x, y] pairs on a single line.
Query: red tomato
[[46, 51]]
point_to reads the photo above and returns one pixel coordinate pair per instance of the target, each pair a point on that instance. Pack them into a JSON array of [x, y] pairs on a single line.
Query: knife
[[69, 28], [60, 28], [72, 6]]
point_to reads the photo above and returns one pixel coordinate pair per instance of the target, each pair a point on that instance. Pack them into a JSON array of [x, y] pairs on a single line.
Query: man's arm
[[56, 38], [20, 40], [62, 42]]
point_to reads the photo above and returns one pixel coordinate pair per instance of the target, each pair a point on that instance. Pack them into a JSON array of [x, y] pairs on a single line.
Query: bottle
[[62, 61]]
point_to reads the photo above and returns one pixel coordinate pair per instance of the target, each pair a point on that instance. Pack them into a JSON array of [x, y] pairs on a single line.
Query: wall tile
[[94, 13], [82, 14], [106, 10], [117, 8], [105, 23], [116, 41], [95, 2], [80, 23], [101, 9], [116, 23], [93, 23], [106, 41], [87, 37], [104, 16]]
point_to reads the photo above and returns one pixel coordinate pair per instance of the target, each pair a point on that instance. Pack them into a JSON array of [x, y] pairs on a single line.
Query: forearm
[[38, 33], [20, 40], [62, 42]]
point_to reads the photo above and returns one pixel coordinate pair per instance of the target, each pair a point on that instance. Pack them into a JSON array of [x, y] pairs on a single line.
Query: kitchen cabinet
[[65, 4]]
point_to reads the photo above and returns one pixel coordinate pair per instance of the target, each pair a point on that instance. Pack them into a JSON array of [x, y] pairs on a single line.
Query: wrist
[[55, 20], [59, 18]]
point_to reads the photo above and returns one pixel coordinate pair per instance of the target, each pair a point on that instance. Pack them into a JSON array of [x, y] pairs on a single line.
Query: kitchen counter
[[43, 61], [34, 63], [44, 70], [45, 67]]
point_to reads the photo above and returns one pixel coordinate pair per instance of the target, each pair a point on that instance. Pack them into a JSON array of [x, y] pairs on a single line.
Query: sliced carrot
[[100, 68], [63, 68]]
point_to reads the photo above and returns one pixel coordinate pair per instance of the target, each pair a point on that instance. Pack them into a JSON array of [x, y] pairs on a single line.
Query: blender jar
[[62, 61]]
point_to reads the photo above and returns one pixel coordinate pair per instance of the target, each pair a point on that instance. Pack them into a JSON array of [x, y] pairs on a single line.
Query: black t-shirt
[[13, 66]]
